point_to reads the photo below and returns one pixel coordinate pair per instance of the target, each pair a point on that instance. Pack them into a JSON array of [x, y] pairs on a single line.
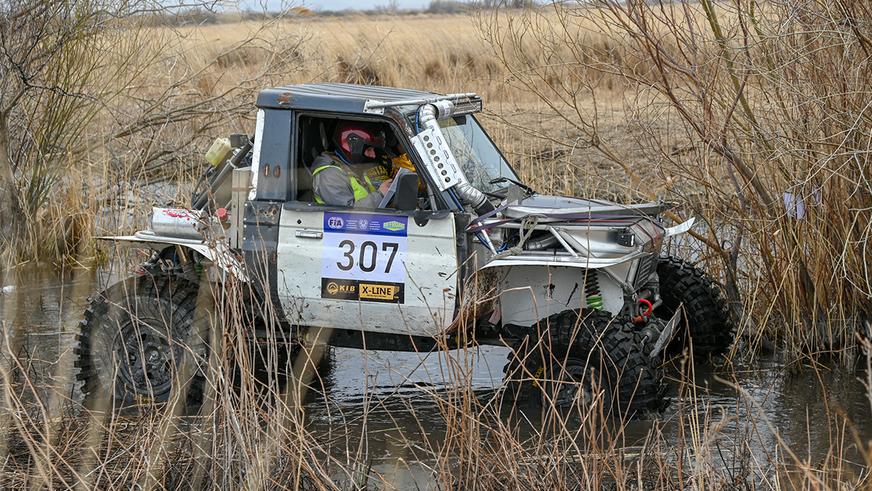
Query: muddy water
[[394, 391]]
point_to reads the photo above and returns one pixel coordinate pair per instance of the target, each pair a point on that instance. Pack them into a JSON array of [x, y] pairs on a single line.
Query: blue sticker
[[352, 223]]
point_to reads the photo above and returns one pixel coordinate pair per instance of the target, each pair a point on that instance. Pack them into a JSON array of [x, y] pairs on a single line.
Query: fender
[[217, 251], [584, 262], [536, 284]]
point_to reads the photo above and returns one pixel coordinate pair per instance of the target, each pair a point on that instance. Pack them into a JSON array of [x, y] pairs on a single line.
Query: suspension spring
[[592, 295]]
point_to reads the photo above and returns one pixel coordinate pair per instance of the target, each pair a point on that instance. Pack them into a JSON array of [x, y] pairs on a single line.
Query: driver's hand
[[383, 188]]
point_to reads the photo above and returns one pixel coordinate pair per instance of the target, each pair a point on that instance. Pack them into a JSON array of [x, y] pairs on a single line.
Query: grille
[[647, 265]]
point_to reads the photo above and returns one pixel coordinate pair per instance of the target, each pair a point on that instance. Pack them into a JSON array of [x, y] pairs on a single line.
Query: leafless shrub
[[759, 123], [52, 55], [98, 104]]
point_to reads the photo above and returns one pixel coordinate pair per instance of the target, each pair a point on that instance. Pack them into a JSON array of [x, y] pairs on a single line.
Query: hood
[[566, 208]]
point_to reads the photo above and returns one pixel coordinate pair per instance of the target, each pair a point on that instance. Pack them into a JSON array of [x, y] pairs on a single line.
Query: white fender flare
[[217, 252]]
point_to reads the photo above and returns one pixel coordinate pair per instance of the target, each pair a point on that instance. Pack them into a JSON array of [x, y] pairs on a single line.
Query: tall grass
[[720, 108], [756, 119], [253, 433]]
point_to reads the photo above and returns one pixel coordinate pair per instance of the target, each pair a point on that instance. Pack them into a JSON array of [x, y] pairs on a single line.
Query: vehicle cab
[[394, 269]]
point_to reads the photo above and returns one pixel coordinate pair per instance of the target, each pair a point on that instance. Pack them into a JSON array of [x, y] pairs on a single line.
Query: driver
[[341, 177]]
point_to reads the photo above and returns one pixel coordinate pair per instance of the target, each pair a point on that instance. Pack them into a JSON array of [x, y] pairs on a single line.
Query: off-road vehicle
[[461, 252]]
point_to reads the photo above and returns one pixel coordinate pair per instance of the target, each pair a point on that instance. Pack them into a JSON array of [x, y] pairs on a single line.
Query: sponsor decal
[[334, 222], [178, 213], [394, 226], [370, 224], [338, 288], [378, 291], [364, 291]]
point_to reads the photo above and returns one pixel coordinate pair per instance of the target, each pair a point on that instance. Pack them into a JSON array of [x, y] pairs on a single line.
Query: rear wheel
[[143, 341], [582, 357], [708, 321]]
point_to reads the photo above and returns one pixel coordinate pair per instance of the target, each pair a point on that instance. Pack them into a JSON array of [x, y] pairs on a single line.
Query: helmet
[[359, 141]]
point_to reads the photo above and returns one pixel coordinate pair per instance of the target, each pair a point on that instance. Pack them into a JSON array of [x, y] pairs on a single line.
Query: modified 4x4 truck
[[460, 252]]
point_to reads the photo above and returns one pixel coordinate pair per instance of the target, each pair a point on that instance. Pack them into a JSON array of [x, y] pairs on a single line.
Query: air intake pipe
[[428, 117]]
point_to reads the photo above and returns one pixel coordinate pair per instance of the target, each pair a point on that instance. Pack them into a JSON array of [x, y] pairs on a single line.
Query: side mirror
[[406, 198]]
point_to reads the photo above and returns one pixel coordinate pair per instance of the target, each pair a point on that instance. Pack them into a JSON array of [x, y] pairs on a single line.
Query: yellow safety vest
[[360, 191]]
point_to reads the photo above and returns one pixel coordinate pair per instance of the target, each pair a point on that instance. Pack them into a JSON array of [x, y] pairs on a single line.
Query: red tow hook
[[649, 309]]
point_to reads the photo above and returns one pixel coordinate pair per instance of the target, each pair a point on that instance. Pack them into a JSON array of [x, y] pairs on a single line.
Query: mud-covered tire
[[142, 341], [589, 351], [708, 321]]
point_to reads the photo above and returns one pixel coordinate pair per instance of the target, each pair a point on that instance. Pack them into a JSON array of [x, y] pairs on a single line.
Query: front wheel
[[142, 341], [708, 319], [585, 357]]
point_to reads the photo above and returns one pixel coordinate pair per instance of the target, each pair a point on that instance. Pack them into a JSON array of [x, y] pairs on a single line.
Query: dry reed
[[582, 102], [251, 431]]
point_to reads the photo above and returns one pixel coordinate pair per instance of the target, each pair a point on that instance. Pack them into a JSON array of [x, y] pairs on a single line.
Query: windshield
[[476, 153]]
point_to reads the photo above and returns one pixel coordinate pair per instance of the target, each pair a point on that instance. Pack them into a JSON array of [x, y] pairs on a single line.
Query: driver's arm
[[331, 185]]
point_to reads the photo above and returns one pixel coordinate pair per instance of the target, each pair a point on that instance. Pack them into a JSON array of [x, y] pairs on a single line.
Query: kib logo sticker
[[333, 288], [338, 289]]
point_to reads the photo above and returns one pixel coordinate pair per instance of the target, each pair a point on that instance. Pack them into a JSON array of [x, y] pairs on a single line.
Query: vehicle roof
[[347, 98]]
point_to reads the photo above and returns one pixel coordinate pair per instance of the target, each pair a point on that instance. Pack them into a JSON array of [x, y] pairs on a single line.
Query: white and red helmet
[[359, 141]]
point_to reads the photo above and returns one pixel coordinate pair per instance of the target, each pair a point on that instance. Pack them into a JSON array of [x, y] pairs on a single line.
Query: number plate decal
[[366, 254]]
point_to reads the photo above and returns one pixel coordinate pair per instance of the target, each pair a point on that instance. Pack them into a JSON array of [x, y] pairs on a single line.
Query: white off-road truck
[[460, 251]]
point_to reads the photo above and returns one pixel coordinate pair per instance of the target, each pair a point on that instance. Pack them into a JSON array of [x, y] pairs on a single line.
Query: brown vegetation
[[722, 108], [738, 113], [757, 119], [253, 433]]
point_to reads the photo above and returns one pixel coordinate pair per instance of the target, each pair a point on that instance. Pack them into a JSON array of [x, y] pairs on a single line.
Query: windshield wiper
[[526, 188]]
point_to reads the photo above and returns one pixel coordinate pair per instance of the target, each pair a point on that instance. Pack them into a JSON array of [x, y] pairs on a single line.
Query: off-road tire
[[591, 350], [152, 319], [708, 320]]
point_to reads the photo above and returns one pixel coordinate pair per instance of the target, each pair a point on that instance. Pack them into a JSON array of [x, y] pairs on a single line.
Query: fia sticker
[[334, 223], [366, 223]]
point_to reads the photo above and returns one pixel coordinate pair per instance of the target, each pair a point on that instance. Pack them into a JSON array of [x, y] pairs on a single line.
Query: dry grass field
[[220, 67], [736, 112], [437, 53]]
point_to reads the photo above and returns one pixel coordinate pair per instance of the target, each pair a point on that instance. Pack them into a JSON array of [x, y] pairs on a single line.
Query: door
[[366, 270]]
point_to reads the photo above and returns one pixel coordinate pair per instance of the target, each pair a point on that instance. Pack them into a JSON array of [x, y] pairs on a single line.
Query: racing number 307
[[367, 255]]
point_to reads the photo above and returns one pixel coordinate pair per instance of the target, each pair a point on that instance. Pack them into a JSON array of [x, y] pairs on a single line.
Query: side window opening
[[319, 136], [314, 139]]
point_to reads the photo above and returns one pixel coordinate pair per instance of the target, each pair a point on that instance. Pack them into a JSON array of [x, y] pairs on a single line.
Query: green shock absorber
[[592, 295]]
